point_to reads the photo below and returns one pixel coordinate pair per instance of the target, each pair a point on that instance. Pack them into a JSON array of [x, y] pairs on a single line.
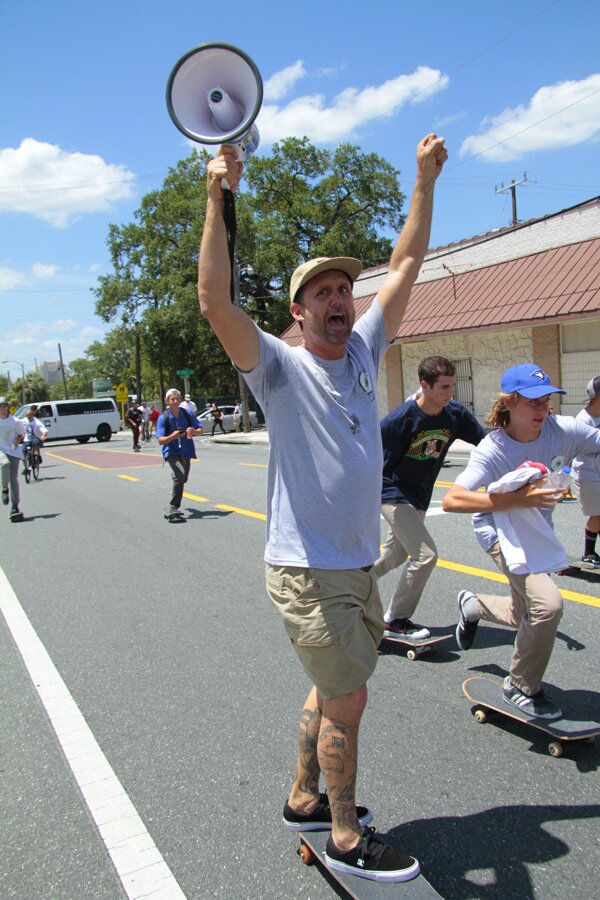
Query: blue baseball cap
[[529, 381]]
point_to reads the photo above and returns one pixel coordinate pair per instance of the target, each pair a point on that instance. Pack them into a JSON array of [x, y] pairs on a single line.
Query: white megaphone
[[214, 94]]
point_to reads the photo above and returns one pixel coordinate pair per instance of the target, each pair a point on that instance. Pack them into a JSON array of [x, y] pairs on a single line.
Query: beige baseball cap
[[352, 267]]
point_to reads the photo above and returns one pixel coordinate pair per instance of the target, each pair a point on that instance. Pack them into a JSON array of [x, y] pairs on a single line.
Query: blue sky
[[84, 131]]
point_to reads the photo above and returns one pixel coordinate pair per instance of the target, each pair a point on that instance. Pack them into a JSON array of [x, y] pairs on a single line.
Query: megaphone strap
[[231, 228]]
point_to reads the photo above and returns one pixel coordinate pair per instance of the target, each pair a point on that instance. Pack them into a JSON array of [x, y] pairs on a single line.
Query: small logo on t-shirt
[[365, 382]]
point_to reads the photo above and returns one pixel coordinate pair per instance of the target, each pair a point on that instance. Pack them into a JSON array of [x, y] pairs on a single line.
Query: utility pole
[[512, 187], [62, 369]]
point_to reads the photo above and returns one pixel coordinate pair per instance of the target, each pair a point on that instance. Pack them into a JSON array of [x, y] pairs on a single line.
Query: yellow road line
[[242, 512], [254, 465], [195, 497], [575, 596], [128, 477], [75, 463]]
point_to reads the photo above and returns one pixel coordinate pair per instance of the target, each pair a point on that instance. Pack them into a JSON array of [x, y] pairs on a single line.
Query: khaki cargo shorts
[[334, 619]]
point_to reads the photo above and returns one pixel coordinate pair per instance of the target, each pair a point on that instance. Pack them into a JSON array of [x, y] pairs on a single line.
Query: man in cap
[[525, 438], [324, 484], [189, 404], [585, 474]]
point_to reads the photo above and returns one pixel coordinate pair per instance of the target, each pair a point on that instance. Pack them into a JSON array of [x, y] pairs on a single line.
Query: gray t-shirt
[[325, 460], [561, 438], [587, 468]]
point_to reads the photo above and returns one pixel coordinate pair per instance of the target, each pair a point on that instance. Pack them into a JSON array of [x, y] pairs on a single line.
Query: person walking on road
[[189, 404], [12, 432], [217, 417], [585, 477], [525, 440], [133, 417], [174, 430], [416, 437], [323, 537]]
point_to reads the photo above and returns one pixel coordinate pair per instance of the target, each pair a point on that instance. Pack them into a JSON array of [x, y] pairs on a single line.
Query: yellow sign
[[122, 393], [12, 409]]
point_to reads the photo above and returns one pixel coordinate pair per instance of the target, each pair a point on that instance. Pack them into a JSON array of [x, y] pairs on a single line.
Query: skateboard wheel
[[555, 748], [411, 654], [481, 716], [306, 855]]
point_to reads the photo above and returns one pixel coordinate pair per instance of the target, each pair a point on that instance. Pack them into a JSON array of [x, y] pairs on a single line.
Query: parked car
[[206, 420]]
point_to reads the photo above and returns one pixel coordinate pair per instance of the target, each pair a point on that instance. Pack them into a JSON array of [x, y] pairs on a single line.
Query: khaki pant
[[535, 608], [334, 619], [407, 541]]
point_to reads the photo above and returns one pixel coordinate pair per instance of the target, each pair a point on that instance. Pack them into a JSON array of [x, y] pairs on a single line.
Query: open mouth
[[337, 319]]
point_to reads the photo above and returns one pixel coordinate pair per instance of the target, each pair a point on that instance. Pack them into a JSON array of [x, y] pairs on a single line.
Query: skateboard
[[178, 516], [312, 852], [580, 565], [487, 694], [417, 648]]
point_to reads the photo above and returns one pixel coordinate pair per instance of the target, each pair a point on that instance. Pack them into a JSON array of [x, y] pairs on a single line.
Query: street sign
[[185, 373], [122, 393]]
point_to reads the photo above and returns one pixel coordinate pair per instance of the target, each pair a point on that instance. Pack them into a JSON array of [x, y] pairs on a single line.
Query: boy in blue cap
[[524, 431]]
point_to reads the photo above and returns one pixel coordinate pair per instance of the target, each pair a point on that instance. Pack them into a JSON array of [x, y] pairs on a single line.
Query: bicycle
[[31, 462]]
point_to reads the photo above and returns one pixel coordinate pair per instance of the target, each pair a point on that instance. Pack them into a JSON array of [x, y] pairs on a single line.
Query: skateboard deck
[[578, 563], [417, 648], [178, 516], [312, 852], [487, 694]]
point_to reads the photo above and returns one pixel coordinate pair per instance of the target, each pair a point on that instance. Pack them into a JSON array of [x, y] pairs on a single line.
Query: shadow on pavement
[[486, 855]]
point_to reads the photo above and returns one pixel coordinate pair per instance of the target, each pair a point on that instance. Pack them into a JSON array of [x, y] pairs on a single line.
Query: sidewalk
[[261, 436]]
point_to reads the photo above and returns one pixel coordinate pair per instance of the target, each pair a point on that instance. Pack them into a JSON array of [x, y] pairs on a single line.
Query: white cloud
[[445, 121], [10, 278], [281, 83], [311, 116], [28, 341], [44, 270], [58, 186], [559, 115]]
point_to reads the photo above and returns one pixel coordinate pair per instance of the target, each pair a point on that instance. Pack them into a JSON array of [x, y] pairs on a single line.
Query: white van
[[78, 419]]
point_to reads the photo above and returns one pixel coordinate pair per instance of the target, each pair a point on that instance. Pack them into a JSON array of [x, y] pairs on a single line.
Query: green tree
[[297, 203]]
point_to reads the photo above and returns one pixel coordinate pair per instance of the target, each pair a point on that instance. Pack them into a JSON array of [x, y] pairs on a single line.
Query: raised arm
[[531, 496], [234, 328], [412, 244]]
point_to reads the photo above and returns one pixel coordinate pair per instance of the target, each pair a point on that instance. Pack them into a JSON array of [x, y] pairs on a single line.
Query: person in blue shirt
[[416, 437], [175, 429]]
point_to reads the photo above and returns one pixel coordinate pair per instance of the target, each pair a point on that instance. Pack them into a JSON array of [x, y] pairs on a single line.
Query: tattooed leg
[[305, 791], [338, 760]]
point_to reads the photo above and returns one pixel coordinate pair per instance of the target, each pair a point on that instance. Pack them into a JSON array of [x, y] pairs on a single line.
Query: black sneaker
[[373, 858], [537, 706], [465, 631], [406, 628], [320, 818], [592, 559], [5, 496]]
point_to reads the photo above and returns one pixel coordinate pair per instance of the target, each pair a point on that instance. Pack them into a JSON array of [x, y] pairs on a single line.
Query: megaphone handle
[[231, 228]]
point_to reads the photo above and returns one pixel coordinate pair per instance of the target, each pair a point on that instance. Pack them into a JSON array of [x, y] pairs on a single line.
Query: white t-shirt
[[326, 459], [561, 439], [10, 429], [190, 406], [587, 468], [36, 428]]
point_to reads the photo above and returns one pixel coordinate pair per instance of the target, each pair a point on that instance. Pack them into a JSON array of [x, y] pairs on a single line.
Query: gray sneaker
[[465, 631], [538, 706], [404, 628]]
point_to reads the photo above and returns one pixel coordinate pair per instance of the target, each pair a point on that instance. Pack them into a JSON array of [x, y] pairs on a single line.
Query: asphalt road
[[167, 647]]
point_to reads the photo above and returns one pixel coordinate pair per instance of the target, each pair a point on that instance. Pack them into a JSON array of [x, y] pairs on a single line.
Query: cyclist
[[35, 432]]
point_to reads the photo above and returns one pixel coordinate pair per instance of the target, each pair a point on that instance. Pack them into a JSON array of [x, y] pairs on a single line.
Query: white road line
[[139, 864]]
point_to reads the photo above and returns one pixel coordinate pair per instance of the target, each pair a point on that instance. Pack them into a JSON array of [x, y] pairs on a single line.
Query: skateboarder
[[585, 477], [322, 537], [523, 431], [175, 429], [416, 437], [12, 432]]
